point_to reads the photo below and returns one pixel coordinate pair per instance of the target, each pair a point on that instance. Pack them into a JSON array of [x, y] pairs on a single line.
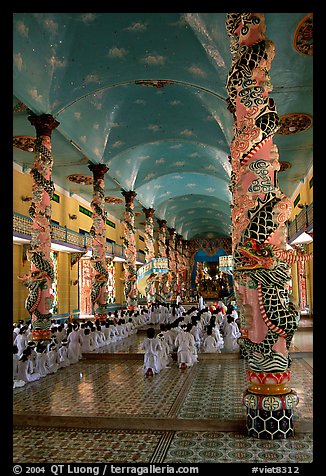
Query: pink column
[[259, 212], [130, 267], [172, 262], [149, 250], [161, 253], [98, 233], [39, 302]]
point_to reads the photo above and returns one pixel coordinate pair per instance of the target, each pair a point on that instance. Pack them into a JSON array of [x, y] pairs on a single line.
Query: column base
[[270, 417]]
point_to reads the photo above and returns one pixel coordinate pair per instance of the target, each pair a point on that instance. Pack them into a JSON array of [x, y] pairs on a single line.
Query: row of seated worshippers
[[32, 361], [192, 332]]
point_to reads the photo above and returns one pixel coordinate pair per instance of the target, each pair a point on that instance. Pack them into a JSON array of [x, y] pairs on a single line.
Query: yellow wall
[[306, 196], [20, 292]]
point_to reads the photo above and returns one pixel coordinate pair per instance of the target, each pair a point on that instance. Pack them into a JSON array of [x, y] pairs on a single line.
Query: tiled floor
[[103, 409]]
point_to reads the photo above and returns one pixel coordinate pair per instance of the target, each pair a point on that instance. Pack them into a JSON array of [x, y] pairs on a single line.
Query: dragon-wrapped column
[[98, 233], [161, 253], [39, 301], [149, 251], [171, 252], [130, 269], [259, 211]]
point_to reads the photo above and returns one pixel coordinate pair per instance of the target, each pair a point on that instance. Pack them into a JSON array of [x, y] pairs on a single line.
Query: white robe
[[186, 349], [74, 347], [152, 347], [24, 372]]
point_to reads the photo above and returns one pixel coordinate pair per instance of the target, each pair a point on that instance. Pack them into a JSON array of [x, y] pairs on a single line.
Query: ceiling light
[[303, 238]]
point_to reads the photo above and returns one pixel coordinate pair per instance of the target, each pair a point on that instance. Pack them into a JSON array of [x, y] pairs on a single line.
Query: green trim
[[84, 210], [110, 223], [55, 198], [296, 201]]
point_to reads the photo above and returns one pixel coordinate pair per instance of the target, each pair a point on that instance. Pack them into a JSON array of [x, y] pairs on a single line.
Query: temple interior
[[164, 160]]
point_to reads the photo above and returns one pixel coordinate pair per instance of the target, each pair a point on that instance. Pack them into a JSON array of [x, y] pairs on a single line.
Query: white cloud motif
[[83, 139], [191, 185], [18, 61], [91, 78], [186, 132], [149, 176], [116, 52], [196, 71], [96, 126], [153, 127], [175, 102], [88, 17], [22, 28], [176, 146], [136, 27], [35, 95], [156, 60], [77, 115], [179, 163], [50, 25], [177, 177], [160, 161], [210, 189], [118, 143], [139, 101], [56, 62]]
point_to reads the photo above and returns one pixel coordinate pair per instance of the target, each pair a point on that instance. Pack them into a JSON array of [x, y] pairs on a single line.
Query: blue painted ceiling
[[144, 93]]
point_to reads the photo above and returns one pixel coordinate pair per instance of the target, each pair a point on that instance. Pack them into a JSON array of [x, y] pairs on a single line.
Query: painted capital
[[149, 212], [44, 124], [98, 170], [129, 196]]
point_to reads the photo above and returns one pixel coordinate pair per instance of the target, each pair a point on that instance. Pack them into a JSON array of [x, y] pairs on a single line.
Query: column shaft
[[259, 211], [39, 301], [98, 233]]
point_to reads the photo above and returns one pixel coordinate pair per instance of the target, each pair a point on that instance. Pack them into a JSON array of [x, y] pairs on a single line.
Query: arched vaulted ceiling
[[144, 93]]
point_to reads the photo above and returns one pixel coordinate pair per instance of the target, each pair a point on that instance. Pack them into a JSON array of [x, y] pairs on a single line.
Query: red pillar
[[130, 267], [98, 233], [39, 302]]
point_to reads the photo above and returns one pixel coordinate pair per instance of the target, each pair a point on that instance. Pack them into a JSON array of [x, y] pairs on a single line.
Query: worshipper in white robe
[[74, 346], [114, 336], [210, 343], [201, 303], [164, 354], [52, 359], [21, 340], [24, 371], [63, 354], [186, 349], [41, 359], [88, 344], [152, 346], [231, 335], [16, 382], [106, 331]]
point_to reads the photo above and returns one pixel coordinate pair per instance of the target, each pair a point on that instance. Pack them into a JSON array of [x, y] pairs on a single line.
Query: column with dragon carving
[[179, 262], [161, 253], [130, 268], [149, 251], [171, 252], [259, 211], [39, 301], [98, 233]]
